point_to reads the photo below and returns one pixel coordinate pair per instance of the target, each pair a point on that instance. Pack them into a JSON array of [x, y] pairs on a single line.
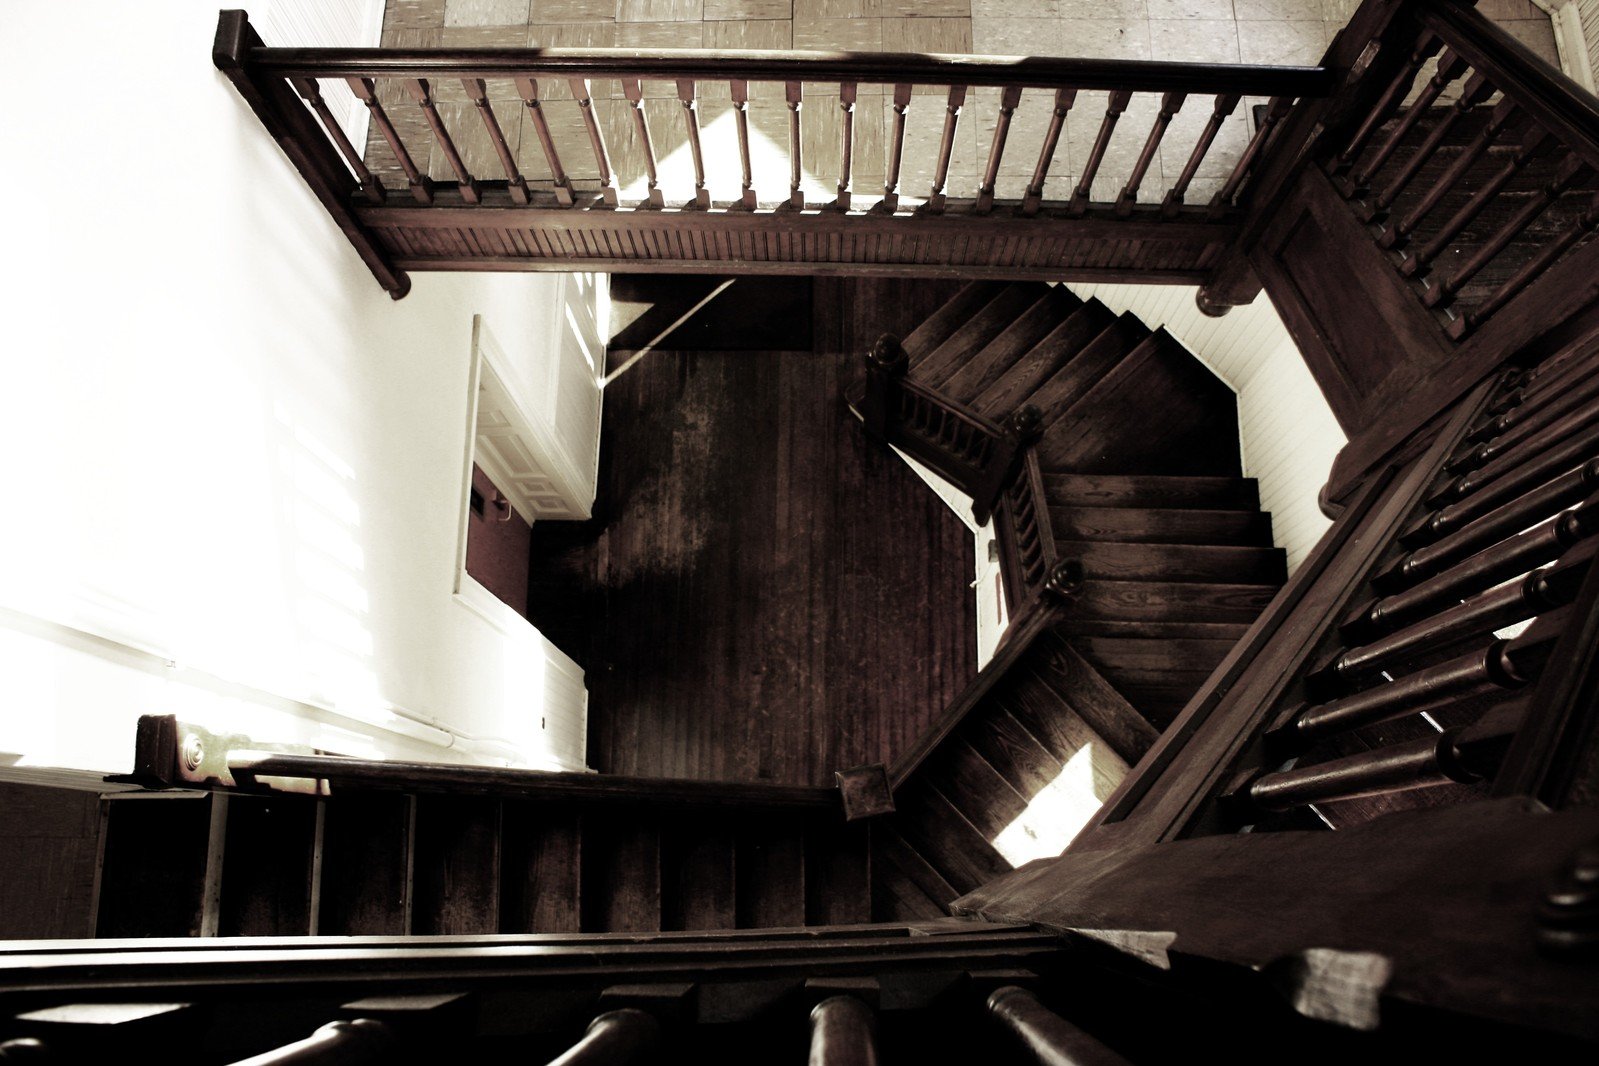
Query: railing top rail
[[752, 65], [1555, 101]]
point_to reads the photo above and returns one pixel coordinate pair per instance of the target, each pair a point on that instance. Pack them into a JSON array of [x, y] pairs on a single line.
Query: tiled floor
[[1215, 31]]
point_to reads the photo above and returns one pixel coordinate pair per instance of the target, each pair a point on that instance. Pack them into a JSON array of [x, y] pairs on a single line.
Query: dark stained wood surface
[[767, 596], [49, 839]]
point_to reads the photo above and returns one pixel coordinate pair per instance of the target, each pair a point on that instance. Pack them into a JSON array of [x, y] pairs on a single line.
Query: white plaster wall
[[222, 446], [1289, 437]]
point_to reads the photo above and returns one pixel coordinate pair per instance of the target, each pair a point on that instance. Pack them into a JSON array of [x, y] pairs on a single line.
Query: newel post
[[1022, 430], [886, 365]]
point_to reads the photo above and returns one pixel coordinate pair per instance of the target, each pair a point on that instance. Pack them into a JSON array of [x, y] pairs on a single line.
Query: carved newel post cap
[[1066, 580], [1209, 307], [887, 355], [1027, 423]]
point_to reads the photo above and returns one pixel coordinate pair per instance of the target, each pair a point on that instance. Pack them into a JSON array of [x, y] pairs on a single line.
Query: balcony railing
[[779, 162]]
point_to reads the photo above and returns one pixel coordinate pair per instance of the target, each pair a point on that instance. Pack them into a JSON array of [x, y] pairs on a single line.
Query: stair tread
[[900, 871], [1184, 601], [1012, 749], [976, 332], [1157, 411], [1080, 373], [941, 834], [1232, 563], [938, 326], [1143, 525], [1058, 667], [1151, 490], [977, 790], [1010, 390], [1054, 305], [1152, 629]]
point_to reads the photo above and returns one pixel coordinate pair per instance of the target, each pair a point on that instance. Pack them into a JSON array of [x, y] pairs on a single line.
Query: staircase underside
[[1145, 247]]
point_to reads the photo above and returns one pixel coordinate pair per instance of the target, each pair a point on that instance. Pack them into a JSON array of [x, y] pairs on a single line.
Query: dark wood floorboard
[[763, 595]]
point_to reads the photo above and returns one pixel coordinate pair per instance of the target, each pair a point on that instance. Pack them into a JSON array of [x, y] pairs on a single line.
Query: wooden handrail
[[878, 68], [174, 754], [1030, 622]]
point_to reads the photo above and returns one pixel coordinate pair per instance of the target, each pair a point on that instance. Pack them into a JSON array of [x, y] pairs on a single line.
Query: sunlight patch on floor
[[1060, 810]]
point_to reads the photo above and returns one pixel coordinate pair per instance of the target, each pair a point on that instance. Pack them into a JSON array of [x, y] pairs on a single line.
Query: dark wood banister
[[756, 65], [170, 753]]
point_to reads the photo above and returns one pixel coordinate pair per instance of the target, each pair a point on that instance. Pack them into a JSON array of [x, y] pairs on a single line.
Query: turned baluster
[[529, 90], [1475, 92], [477, 92], [371, 188], [1450, 67], [896, 149], [1509, 558], [846, 143], [946, 147], [1503, 665], [1441, 294], [602, 161], [1488, 529], [1276, 111], [1423, 763], [1501, 116], [741, 113], [1008, 101], [614, 1038], [1170, 104], [796, 169], [1540, 591], [691, 123], [1224, 106], [1022, 430], [422, 93], [1384, 109], [1034, 200], [343, 1043], [843, 1033], [1047, 1037], [1514, 474], [1534, 267], [1535, 142], [634, 91], [421, 185], [1114, 107]]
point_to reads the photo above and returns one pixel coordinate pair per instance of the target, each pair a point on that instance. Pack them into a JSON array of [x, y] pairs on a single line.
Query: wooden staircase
[[1137, 446], [392, 863]]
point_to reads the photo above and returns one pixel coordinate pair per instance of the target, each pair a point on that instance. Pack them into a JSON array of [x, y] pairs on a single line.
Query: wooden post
[[1022, 430], [886, 364]]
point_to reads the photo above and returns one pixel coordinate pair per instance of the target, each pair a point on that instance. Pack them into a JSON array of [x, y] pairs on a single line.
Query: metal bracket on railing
[[174, 754]]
